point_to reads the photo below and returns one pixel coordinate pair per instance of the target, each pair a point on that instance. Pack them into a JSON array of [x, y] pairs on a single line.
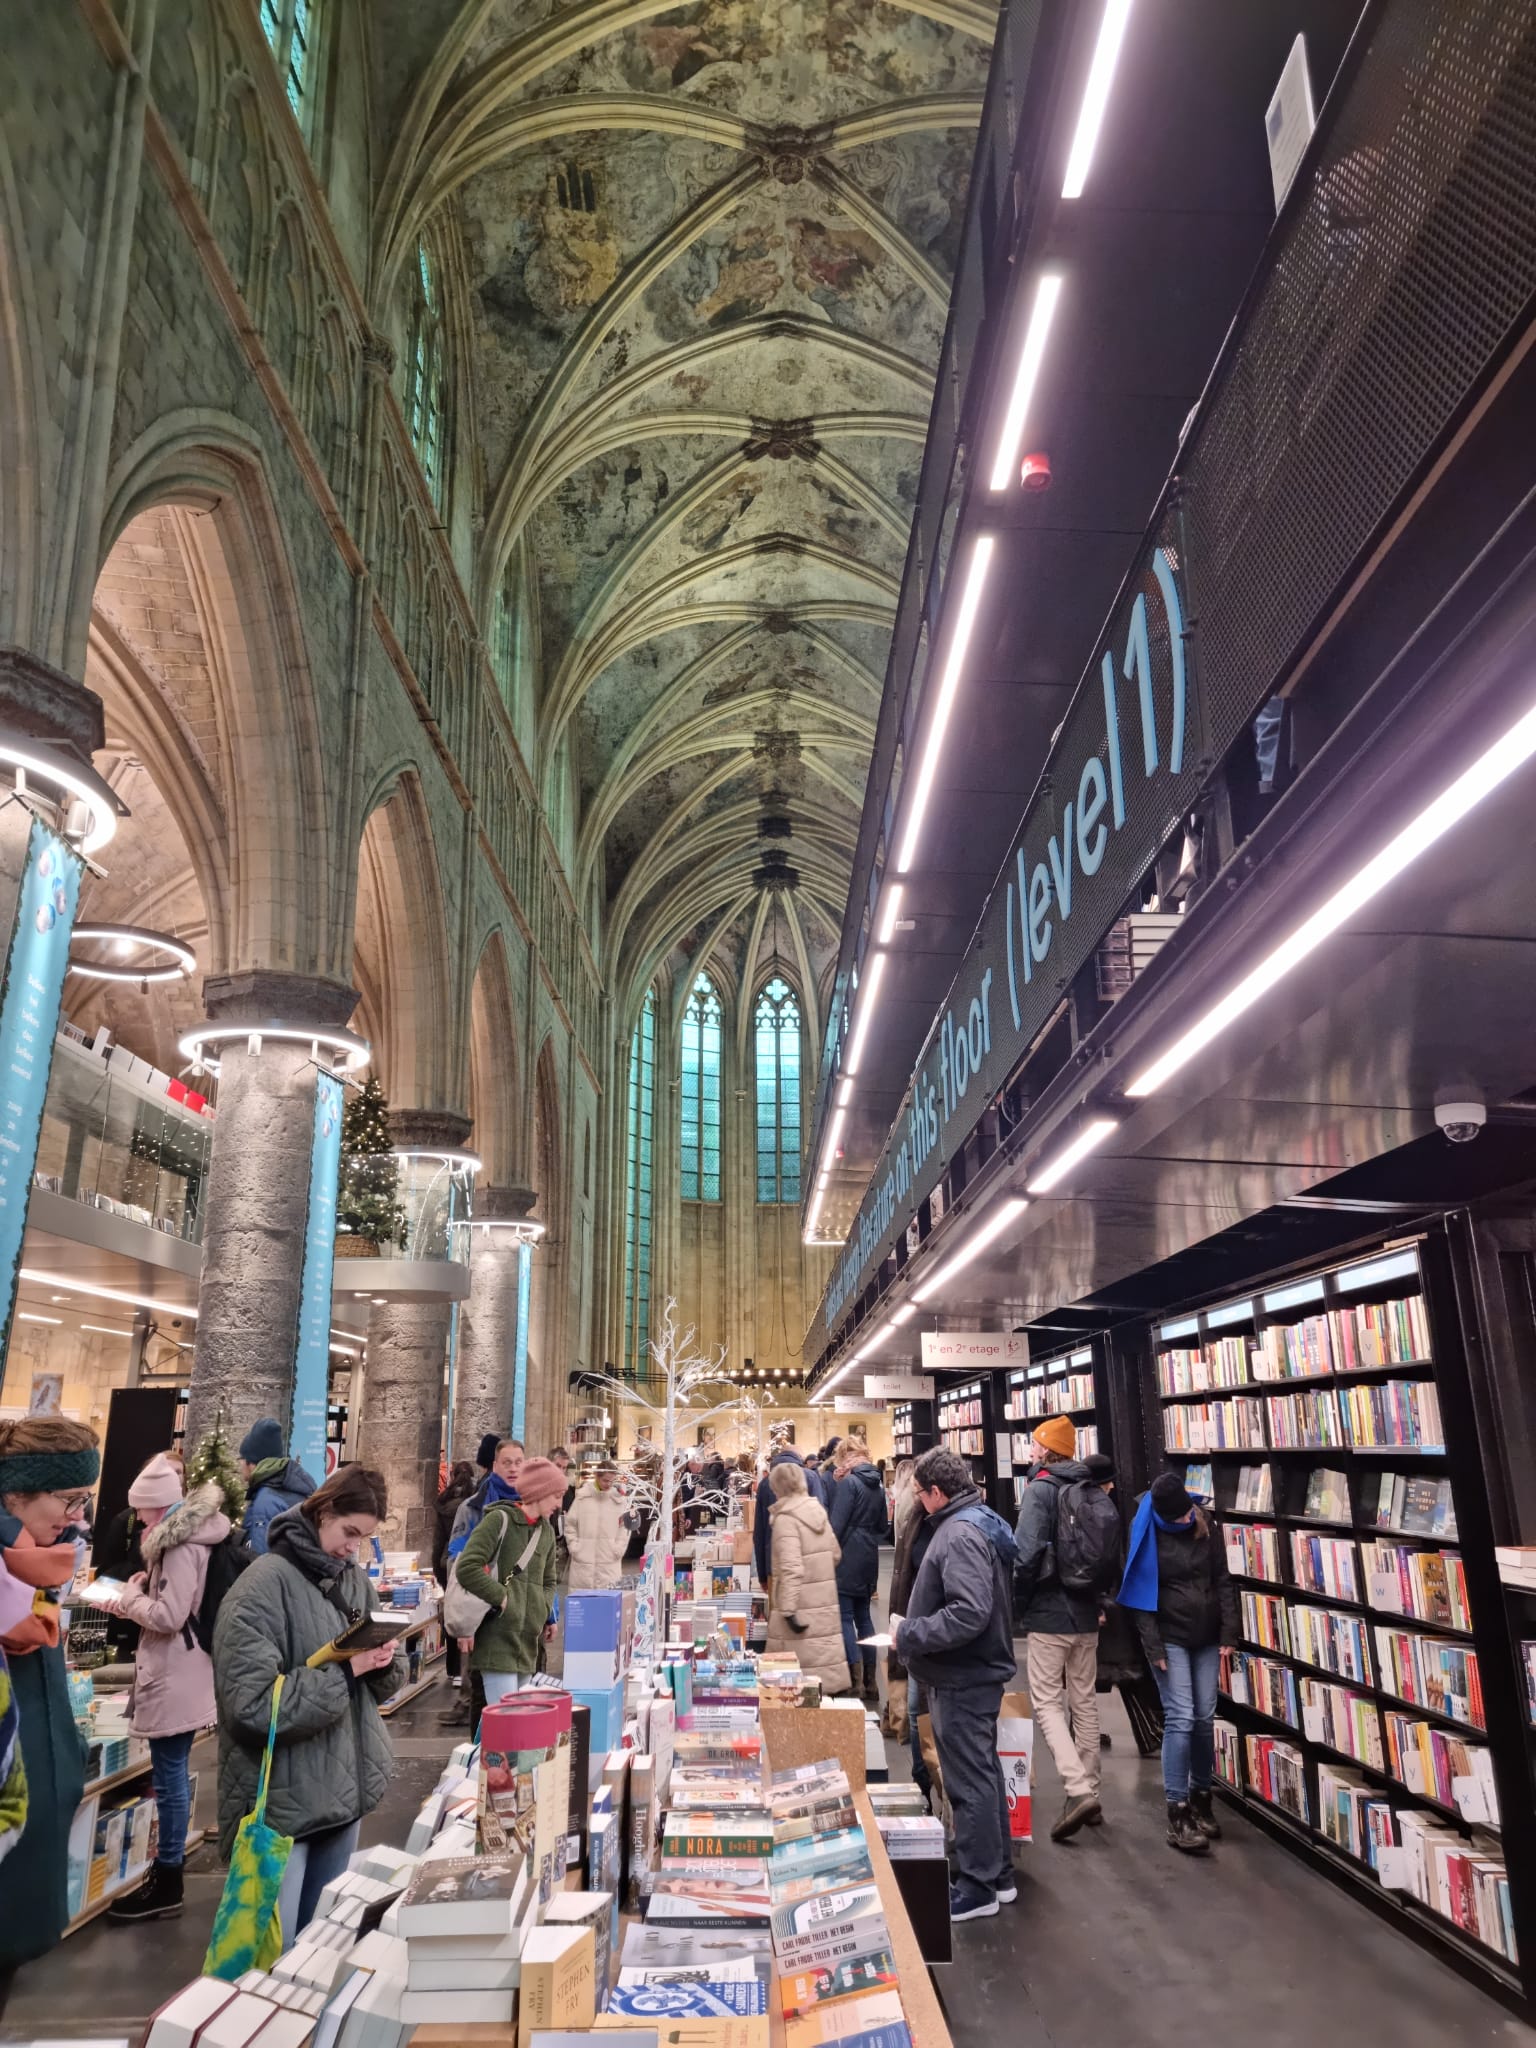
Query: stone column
[[42, 708], [400, 1432], [258, 1200], [488, 1320]]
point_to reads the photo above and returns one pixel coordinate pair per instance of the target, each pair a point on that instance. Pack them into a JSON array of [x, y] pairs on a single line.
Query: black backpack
[[1089, 1542], [226, 1561]]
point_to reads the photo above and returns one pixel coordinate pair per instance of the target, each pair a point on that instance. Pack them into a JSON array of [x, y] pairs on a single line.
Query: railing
[[402, 1209], [113, 1139]]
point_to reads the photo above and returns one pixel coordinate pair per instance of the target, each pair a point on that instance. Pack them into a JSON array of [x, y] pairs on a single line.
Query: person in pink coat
[[172, 1673]]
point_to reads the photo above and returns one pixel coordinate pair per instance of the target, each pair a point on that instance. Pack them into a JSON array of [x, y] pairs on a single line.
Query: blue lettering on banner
[[29, 1017], [1053, 860], [312, 1366]]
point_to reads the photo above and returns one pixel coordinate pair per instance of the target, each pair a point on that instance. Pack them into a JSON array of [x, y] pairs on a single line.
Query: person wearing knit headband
[[48, 1466]]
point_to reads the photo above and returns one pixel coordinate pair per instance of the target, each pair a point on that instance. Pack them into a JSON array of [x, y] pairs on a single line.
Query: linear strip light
[[1090, 115], [25, 1316], [167, 1308], [890, 910], [944, 704], [1008, 1214], [869, 988], [1091, 1136], [104, 1330], [904, 1315], [1031, 355], [1486, 774], [845, 1092]]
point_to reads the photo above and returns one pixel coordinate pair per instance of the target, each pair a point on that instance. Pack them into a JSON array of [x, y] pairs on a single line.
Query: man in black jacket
[[956, 1639]]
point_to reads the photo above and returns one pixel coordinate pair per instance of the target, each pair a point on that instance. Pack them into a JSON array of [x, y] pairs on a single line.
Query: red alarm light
[[1035, 472]]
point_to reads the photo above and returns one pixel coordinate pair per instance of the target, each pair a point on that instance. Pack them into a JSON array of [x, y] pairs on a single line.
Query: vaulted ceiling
[[707, 252]]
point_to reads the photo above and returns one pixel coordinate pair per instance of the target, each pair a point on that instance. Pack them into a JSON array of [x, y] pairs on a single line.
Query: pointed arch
[[701, 1052], [495, 1096], [778, 1070], [20, 349], [401, 949]]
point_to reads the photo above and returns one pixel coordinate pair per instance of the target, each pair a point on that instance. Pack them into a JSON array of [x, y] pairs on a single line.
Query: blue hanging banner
[[29, 1017], [312, 1367], [520, 1353]]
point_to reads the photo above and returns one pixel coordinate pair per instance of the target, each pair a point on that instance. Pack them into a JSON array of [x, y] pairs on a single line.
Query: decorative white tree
[[685, 1373]]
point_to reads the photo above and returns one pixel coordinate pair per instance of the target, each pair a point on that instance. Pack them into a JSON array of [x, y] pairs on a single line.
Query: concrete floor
[[1113, 1939]]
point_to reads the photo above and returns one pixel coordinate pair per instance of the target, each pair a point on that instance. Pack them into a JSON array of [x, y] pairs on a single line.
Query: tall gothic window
[[289, 26], [637, 1189], [701, 1093], [776, 1022], [424, 376]]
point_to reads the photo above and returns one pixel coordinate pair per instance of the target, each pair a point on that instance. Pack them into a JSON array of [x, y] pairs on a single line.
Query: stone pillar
[[400, 1431], [40, 707], [488, 1320], [258, 1200]]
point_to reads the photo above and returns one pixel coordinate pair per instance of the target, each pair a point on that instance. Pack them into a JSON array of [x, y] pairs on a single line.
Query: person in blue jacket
[[274, 1482], [762, 1540]]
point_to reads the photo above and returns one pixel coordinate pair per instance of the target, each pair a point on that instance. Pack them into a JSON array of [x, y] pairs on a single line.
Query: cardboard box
[[605, 1706]]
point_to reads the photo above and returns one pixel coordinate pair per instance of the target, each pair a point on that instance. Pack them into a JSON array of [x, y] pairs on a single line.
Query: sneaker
[[1006, 1889], [1075, 1814], [157, 1898], [1183, 1834], [1202, 1810], [970, 1902], [456, 1683]]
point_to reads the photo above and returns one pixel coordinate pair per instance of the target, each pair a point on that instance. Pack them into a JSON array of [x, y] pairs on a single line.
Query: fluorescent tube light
[[845, 1092], [103, 1330], [1087, 1139], [905, 1315], [165, 1308], [890, 910], [1485, 775], [944, 704], [1005, 462], [25, 1316], [1007, 1215], [869, 988], [1090, 116], [835, 1131]]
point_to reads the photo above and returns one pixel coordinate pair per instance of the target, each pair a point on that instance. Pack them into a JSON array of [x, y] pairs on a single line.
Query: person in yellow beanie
[[1060, 1618]]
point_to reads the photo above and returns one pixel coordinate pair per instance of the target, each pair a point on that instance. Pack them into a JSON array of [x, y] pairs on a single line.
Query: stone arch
[[275, 793], [400, 960], [493, 1074], [546, 1349], [20, 348]]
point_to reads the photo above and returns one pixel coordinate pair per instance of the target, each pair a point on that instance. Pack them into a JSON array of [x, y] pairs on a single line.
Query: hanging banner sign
[[29, 1017], [1126, 762], [856, 1404], [898, 1386], [312, 1367], [520, 1352], [973, 1350]]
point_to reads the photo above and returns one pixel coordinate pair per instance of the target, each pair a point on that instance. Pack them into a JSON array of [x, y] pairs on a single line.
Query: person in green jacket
[[509, 1561]]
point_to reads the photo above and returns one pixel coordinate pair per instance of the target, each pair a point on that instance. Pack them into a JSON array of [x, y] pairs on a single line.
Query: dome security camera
[[1461, 1121]]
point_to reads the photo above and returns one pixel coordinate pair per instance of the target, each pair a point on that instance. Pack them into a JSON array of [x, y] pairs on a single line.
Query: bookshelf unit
[[965, 1421], [1361, 1717], [912, 1428], [1064, 1385]]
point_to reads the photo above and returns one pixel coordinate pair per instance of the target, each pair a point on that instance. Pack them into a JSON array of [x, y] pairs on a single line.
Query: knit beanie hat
[[263, 1440], [540, 1479], [1169, 1498], [1057, 1436], [1100, 1469], [157, 1486], [485, 1457]]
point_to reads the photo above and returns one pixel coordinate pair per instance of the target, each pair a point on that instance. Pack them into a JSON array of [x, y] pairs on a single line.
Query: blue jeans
[[1188, 1689], [857, 1621], [171, 1779], [314, 1862]]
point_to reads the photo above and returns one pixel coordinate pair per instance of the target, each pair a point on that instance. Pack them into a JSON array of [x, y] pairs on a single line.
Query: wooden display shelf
[[110, 1897], [418, 1685]]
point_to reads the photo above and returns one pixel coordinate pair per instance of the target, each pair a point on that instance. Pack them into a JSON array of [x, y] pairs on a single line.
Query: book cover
[[875, 2021], [464, 1895], [594, 1910], [712, 2000], [804, 1990], [707, 1902], [558, 1985], [733, 2032]]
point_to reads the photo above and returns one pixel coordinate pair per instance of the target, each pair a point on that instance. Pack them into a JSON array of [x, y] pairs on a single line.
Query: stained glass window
[[776, 1025], [637, 1189], [701, 1093], [288, 26], [424, 377]]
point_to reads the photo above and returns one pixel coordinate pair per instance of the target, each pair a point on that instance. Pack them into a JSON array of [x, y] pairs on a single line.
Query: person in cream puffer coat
[[804, 1615]]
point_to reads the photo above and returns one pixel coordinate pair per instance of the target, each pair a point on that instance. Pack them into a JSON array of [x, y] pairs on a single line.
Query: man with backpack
[[956, 1640], [1070, 1549]]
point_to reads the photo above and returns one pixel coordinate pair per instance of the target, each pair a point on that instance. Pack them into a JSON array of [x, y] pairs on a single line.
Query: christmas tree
[[368, 1202], [215, 1460]]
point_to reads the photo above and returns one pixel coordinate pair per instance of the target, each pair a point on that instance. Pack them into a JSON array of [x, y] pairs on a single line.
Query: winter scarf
[[268, 1469], [497, 1489], [45, 1568], [292, 1536], [13, 1775], [1139, 1587]]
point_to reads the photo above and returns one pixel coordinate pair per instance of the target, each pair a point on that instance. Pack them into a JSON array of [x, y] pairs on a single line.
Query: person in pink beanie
[[172, 1673]]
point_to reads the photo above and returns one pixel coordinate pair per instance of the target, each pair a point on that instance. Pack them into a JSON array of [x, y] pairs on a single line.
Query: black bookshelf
[[1223, 1400], [913, 1429], [1064, 1384], [965, 1420]]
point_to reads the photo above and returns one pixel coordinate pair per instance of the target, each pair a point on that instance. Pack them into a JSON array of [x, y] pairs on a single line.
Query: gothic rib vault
[[703, 256]]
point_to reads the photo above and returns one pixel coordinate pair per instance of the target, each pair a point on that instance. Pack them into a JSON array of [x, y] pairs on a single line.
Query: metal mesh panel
[[1406, 268]]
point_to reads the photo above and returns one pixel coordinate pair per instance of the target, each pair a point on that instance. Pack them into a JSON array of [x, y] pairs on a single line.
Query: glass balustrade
[[114, 1140], [388, 1207]]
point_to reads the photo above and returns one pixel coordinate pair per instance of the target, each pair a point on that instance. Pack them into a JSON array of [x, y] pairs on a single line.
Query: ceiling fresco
[[708, 253]]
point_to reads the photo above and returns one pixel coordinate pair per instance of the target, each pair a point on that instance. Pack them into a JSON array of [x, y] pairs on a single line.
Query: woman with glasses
[[48, 1466]]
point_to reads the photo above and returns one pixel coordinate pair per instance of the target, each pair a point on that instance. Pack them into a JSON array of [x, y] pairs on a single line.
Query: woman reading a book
[[282, 1618], [48, 1466]]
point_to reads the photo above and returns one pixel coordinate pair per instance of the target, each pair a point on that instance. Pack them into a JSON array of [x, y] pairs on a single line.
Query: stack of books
[[1260, 1683], [1352, 1815], [465, 1921], [713, 1869], [1253, 1551], [1334, 1642], [1277, 1773], [831, 1944], [1427, 1671], [1344, 1720], [1431, 1585], [1465, 1881], [1439, 1765]]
